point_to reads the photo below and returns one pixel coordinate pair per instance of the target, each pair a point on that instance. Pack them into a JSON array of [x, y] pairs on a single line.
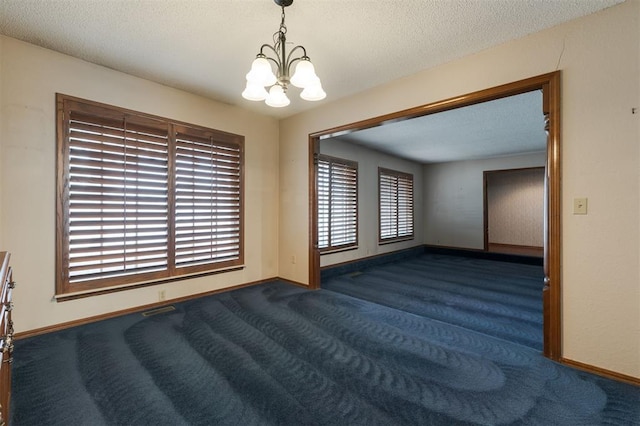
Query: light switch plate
[[579, 206]]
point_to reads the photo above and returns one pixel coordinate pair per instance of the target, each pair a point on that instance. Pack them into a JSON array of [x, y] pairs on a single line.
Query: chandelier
[[261, 74]]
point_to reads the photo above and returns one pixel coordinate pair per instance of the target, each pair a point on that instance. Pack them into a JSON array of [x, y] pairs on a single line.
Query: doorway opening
[[549, 85], [514, 211]]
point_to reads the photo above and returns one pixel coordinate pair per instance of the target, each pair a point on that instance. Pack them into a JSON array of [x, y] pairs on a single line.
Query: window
[[142, 198], [337, 203], [396, 205]]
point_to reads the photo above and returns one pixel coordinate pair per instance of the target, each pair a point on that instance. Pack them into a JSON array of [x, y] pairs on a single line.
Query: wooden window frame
[[332, 247], [399, 177], [101, 281]]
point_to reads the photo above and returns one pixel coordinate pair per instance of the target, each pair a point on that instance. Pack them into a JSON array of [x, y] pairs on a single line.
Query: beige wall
[[30, 77], [598, 56], [453, 200]]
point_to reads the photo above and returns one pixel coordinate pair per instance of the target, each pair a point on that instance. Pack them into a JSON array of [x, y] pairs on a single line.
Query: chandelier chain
[[282, 25]]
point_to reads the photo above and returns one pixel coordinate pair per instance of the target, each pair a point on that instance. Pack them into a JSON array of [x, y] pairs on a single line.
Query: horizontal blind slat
[[396, 204], [337, 202], [118, 272], [140, 169], [208, 201], [121, 167], [114, 142], [106, 241]]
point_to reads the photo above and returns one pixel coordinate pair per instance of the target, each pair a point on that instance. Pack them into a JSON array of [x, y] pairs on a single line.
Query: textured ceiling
[[503, 127], [206, 47]]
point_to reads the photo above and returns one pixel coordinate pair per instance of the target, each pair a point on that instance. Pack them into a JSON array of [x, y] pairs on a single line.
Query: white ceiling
[[503, 127], [206, 47]]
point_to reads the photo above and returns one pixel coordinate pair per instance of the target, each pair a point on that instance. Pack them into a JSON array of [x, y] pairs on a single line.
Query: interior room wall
[[368, 163], [30, 78], [515, 207], [453, 200], [599, 59]]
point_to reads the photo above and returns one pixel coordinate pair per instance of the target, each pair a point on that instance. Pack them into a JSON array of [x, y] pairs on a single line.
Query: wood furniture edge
[[6, 351]]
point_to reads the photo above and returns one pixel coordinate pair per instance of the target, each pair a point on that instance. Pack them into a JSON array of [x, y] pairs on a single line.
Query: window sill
[[395, 240], [338, 250]]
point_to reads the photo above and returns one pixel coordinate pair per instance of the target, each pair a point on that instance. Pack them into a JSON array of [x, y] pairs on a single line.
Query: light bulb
[[277, 98], [254, 92], [313, 91], [261, 73], [304, 75]]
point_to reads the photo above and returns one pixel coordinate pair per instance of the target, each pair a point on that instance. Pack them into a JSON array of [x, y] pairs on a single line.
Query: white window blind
[[337, 188], [141, 198], [396, 205]]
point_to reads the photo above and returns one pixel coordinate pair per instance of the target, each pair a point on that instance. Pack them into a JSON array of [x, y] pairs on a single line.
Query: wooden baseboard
[[328, 271], [83, 321], [482, 254], [293, 283], [601, 372], [371, 257], [516, 249]]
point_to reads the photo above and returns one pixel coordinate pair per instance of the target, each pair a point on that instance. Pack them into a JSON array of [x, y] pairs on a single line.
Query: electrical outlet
[[293, 259], [162, 296]]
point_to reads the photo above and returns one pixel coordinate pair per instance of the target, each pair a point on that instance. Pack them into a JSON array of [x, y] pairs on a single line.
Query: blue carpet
[[275, 354], [500, 299]]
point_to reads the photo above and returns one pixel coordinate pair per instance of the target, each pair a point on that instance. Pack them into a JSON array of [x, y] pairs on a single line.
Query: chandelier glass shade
[[261, 75]]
